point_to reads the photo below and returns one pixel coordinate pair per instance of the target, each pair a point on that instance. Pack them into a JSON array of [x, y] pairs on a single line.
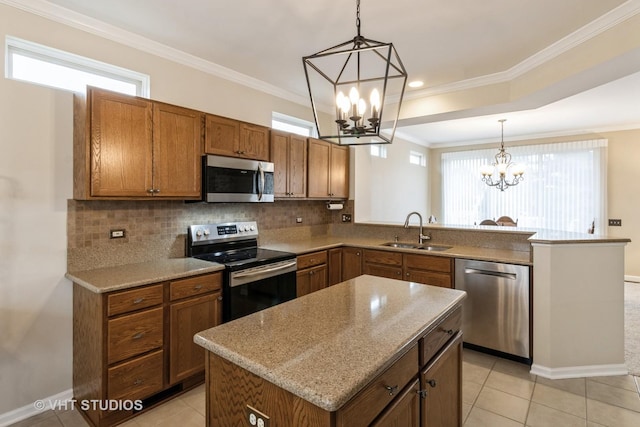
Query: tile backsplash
[[157, 229]]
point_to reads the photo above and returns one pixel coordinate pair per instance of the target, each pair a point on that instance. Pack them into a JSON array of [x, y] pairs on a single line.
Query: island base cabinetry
[[411, 392]]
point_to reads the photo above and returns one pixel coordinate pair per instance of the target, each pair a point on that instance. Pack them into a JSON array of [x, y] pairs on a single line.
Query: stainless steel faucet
[[421, 237]]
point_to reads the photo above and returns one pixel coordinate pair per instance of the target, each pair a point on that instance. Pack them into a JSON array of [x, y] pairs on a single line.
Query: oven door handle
[[260, 272]]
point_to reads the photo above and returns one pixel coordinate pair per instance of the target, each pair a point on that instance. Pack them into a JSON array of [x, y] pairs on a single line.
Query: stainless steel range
[[254, 278]]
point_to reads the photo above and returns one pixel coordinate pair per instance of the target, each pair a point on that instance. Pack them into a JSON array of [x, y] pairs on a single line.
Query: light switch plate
[[615, 223]]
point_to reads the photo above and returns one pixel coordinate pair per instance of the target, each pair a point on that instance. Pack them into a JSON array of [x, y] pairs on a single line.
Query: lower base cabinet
[[405, 411]]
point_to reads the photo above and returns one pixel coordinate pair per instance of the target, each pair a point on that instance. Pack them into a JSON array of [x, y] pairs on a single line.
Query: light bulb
[[375, 103], [362, 107], [354, 96]]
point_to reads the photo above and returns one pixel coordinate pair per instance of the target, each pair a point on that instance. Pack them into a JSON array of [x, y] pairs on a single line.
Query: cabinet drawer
[[309, 260], [428, 262], [438, 337], [134, 334], [429, 278], [371, 401], [137, 378], [194, 286], [383, 257], [135, 299]]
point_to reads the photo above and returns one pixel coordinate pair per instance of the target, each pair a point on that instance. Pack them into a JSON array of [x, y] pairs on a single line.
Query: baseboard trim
[[35, 408], [635, 279], [579, 371]]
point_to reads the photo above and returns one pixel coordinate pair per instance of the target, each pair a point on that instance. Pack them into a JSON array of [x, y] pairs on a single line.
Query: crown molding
[[90, 25]]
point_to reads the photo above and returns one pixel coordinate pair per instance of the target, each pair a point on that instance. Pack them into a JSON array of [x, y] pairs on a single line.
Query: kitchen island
[[364, 351]]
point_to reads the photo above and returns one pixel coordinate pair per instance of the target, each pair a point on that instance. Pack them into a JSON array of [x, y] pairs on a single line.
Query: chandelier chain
[[358, 16]]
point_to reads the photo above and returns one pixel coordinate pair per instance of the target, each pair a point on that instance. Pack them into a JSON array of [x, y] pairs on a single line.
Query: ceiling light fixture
[[338, 76], [503, 167], [416, 83]]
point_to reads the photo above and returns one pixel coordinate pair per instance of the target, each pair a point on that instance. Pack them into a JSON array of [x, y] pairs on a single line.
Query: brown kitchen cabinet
[[425, 269], [334, 263], [328, 175], [289, 156], [127, 147], [351, 262], [137, 344], [312, 273], [404, 411], [229, 137]]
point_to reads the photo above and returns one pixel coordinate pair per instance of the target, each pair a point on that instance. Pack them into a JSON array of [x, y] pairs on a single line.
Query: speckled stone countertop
[[321, 243], [326, 346], [109, 279]]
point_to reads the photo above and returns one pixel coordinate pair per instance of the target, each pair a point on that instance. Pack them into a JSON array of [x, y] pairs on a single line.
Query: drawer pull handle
[[448, 331], [432, 383], [391, 389], [423, 394], [138, 300], [138, 382], [138, 335], [197, 287]]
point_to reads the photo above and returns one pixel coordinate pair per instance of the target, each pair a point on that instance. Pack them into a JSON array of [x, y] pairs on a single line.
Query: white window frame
[[422, 159], [378, 150], [16, 46], [280, 121]]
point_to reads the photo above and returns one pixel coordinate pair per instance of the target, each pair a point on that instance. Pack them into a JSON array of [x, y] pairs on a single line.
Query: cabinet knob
[[448, 331], [423, 394], [391, 389], [138, 300], [432, 383], [150, 191], [138, 382], [357, 253], [220, 298], [197, 287], [138, 336]]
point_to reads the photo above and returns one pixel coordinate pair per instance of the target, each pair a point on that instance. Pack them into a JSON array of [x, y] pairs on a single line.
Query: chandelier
[[357, 81], [502, 167]]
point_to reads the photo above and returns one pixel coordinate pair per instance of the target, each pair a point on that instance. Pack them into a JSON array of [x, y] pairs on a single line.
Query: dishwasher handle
[[510, 276]]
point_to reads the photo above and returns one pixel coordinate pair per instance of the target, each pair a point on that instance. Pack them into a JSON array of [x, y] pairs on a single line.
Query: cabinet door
[[318, 168], [351, 263], [280, 160], [381, 270], [186, 319], [311, 280], [177, 151], [335, 266], [222, 135], [339, 172], [404, 411], [297, 169], [442, 381], [121, 145], [254, 142]]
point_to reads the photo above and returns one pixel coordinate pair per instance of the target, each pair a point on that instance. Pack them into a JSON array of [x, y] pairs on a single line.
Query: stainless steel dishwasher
[[495, 314]]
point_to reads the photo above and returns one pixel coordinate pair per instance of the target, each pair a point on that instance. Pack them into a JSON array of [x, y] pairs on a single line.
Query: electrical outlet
[[615, 223], [256, 418], [299, 220], [346, 217], [116, 234]]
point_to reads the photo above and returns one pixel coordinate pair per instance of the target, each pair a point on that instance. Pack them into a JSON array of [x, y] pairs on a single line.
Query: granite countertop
[[109, 279], [353, 330], [300, 247]]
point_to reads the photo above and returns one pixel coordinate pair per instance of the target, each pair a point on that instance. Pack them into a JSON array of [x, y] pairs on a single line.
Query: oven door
[[256, 288], [227, 179]]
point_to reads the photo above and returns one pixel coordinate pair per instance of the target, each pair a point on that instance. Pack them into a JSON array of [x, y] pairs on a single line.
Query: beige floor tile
[[131, 423], [592, 424], [188, 418], [543, 416], [474, 373], [171, 408], [71, 418], [504, 404], [466, 408], [514, 368], [611, 416], [613, 395], [510, 384], [576, 386], [479, 359], [35, 419], [39, 421], [626, 382], [196, 401], [470, 391], [480, 418], [560, 400]]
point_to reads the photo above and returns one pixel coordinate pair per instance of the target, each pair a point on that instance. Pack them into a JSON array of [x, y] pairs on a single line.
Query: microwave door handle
[[261, 181]]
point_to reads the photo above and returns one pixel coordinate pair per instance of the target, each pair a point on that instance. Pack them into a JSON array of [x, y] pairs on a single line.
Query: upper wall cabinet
[[289, 156], [128, 147], [228, 137], [328, 175]]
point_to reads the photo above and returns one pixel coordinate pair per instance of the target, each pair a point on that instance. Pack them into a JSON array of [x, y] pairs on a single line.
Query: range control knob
[[206, 232], [199, 233], [253, 228]]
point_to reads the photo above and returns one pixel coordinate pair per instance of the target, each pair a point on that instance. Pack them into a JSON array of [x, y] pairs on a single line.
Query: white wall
[[387, 189], [36, 181]]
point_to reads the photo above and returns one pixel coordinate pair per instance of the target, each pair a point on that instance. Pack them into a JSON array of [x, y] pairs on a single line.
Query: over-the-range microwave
[[230, 179]]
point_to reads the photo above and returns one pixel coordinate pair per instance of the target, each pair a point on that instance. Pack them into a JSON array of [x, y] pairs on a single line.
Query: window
[[416, 158], [291, 124], [564, 187], [46, 66], [379, 151]]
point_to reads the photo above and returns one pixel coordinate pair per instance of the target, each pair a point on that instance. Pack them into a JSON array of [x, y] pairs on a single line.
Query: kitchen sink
[[404, 245]]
